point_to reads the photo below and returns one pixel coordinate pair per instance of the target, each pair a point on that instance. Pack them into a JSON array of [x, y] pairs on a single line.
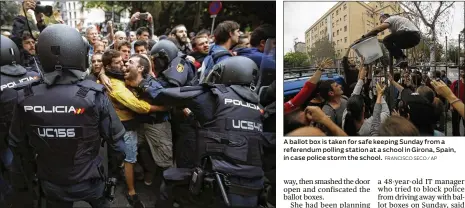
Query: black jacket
[[20, 25]]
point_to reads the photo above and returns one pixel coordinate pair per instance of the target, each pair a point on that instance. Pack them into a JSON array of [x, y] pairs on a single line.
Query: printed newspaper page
[[371, 119], [371, 172]]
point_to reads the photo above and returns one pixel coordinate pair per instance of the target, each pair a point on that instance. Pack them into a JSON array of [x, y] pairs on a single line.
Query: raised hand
[[441, 88], [324, 63], [380, 88]]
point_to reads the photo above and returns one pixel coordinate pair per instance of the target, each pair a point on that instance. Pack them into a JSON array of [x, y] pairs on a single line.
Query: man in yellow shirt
[[127, 106]]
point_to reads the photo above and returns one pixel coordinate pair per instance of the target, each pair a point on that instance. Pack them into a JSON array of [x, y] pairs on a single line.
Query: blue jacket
[[208, 61], [251, 53], [215, 49]]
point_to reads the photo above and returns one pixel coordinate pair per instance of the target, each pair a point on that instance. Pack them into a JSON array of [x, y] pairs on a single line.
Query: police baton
[[223, 191], [219, 181], [190, 115]]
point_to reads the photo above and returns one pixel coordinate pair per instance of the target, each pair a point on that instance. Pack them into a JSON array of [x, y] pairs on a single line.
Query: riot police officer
[[12, 77], [171, 66], [229, 138], [11, 72], [63, 120], [8, 99], [177, 71]]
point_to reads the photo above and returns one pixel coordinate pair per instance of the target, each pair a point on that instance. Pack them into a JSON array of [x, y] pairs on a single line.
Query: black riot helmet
[[163, 53], [9, 53], [237, 70], [61, 47]]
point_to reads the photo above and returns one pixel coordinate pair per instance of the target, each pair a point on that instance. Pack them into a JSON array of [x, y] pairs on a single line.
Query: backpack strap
[[219, 54]]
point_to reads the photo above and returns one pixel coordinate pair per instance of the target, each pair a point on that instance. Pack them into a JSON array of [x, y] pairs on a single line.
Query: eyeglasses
[[93, 61]]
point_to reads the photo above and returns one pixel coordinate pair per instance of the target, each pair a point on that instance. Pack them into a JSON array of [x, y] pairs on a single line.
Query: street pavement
[[148, 195]]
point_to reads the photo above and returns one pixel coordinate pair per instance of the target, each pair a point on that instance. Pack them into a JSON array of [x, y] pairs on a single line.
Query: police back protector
[[12, 75], [233, 137], [62, 125], [232, 141]]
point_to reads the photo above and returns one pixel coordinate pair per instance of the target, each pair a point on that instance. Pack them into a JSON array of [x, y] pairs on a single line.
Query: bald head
[[120, 36]]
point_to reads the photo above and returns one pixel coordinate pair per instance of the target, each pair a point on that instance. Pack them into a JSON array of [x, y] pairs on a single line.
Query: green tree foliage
[[421, 52], [322, 48], [453, 54], [295, 59], [8, 11], [194, 14]]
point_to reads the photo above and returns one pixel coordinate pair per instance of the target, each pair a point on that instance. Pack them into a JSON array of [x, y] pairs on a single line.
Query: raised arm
[[316, 114], [445, 92], [304, 93]]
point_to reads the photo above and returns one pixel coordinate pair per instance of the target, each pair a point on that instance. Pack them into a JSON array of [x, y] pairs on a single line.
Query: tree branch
[[447, 7], [436, 15], [422, 16], [410, 10]]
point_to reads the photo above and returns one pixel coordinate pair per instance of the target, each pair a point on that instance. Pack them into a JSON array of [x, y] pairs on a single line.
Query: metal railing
[[300, 72]]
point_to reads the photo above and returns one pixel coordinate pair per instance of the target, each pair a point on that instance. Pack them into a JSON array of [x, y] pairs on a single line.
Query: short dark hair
[[140, 30], [202, 32], [262, 32], [291, 121], [175, 29], [26, 35], [427, 93], [175, 41], [124, 43], [109, 55], [150, 44], [143, 61], [325, 87], [194, 40], [223, 29], [141, 43]]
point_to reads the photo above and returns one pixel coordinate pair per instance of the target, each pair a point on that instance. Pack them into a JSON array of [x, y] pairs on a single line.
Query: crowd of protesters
[[113, 58], [410, 103]]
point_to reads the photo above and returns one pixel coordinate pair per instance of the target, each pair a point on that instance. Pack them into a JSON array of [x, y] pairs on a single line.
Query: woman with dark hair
[[354, 114], [354, 122]]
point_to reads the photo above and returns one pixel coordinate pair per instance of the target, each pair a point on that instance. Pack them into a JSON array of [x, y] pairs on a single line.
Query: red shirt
[[197, 65], [461, 90], [300, 98]]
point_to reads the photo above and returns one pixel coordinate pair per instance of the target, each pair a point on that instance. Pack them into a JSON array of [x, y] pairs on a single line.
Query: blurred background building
[[341, 24]]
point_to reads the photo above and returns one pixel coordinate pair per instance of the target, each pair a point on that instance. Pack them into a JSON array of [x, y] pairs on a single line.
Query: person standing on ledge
[[404, 35]]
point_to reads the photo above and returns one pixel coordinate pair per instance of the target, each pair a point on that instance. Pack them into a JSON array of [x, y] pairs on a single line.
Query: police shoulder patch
[[180, 68]]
